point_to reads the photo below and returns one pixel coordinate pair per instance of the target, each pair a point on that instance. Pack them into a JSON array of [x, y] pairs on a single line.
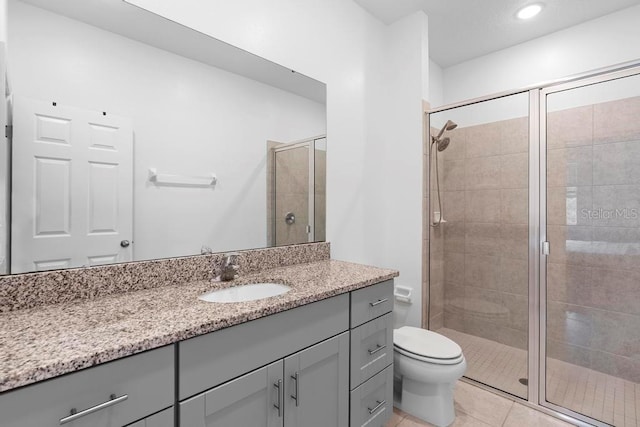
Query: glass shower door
[[591, 326], [479, 237], [292, 174]]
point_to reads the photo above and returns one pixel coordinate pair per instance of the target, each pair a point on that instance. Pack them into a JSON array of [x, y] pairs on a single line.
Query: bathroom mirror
[[136, 138]]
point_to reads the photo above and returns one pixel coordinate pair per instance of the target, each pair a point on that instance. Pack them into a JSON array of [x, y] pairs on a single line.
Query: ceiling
[[460, 30]]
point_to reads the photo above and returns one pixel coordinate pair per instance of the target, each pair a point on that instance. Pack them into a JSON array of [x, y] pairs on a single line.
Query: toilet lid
[[425, 343]]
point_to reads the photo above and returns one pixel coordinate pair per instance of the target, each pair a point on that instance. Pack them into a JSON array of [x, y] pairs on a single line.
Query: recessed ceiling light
[[529, 11]]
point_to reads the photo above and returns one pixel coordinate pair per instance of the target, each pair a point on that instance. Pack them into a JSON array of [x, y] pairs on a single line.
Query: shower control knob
[[125, 243], [290, 218]]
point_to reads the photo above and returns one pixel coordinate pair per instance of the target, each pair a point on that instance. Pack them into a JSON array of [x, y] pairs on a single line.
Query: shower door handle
[[545, 248]]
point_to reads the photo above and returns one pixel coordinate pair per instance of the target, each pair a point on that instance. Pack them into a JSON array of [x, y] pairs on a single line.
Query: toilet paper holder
[[402, 294]]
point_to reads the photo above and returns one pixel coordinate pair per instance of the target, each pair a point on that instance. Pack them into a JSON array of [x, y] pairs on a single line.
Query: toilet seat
[[426, 346]]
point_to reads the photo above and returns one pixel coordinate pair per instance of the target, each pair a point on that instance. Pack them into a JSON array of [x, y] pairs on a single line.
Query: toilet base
[[432, 403]]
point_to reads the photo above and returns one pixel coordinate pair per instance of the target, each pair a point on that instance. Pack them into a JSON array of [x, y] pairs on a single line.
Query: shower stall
[[296, 191], [534, 242]]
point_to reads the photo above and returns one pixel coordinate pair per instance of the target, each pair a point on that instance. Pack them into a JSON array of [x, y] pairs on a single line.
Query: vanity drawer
[[371, 302], [142, 384], [371, 348], [372, 402]]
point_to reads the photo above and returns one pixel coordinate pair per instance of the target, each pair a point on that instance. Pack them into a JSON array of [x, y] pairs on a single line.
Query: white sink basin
[[242, 293]]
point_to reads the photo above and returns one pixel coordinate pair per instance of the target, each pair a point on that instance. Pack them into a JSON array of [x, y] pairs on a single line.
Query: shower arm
[[434, 139]]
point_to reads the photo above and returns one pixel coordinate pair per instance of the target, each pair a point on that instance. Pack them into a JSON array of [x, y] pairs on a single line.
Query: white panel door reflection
[[72, 198]]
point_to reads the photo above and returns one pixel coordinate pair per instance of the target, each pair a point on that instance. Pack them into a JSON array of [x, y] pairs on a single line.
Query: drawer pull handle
[[296, 378], [377, 349], [380, 301], [75, 415], [278, 385], [378, 406]]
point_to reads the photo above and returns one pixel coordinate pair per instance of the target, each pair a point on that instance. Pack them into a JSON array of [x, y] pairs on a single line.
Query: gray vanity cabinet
[[307, 389], [305, 348], [112, 394], [324, 364], [317, 385], [372, 355], [212, 359]]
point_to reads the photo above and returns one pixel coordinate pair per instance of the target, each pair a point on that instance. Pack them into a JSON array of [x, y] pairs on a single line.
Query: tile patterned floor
[[597, 395], [479, 408]]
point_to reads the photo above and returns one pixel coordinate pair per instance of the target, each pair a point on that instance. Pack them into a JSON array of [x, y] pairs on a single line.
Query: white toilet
[[427, 366]]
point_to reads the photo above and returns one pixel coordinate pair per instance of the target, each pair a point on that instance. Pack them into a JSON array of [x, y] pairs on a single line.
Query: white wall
[[373, 103], [393, 158], [4, 151], [602, 42], [3, 20], [436, 84], [407, 66], [4, 162], [189, 118]]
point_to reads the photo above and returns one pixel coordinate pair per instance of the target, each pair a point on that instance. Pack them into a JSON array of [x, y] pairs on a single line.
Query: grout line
[[513, 405]]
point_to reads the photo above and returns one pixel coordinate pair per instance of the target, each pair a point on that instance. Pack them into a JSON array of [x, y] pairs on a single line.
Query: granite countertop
[[44, 342]]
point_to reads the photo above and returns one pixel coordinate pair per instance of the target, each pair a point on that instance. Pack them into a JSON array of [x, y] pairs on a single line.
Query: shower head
[[447, 126], [443, 143], [450, 125]]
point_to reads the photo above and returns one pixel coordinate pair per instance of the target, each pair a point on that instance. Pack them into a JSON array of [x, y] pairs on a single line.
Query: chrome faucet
[[229, 270]]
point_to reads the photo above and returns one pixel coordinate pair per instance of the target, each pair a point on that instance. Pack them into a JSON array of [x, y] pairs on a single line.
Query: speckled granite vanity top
[[47, 341]]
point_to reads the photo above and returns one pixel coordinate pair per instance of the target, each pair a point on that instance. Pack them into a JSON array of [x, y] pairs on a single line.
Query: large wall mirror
[[136, 138]]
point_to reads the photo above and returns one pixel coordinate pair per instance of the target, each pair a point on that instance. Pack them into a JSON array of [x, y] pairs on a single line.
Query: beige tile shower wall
[[292, 195], [485, 238], [320, 195], [594, 228]]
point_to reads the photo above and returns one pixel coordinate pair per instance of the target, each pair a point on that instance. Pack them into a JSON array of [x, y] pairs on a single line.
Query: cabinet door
[[255, 400], [317, 385], [161, 419]]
